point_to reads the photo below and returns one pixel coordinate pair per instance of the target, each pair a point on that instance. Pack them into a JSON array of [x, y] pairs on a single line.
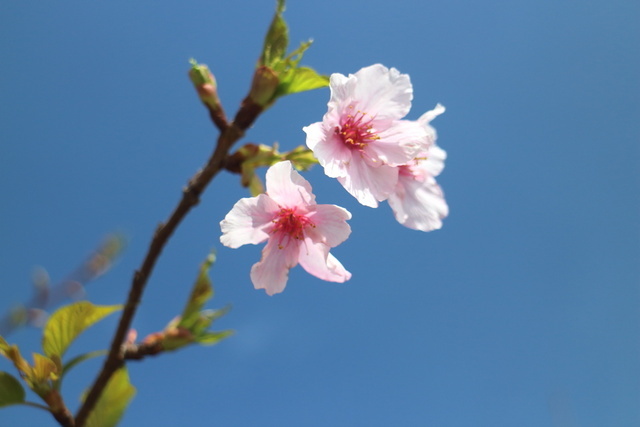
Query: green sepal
[[113, 401], [64, 326], [11, 391], [200, 74]]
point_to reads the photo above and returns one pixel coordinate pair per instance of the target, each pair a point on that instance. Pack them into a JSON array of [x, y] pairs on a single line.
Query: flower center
[[356, 130], [290, 225]]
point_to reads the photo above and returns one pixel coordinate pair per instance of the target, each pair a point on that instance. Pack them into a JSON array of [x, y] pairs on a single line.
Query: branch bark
[[229, 134]]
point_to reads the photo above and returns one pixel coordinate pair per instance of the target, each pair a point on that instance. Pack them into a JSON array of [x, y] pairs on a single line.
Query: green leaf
[[300, 80], [75, 361], [113, 402], [11, 391], [294, 57], [81, 358], [202, 291], [210, 338], [68, 322], [277, 38]]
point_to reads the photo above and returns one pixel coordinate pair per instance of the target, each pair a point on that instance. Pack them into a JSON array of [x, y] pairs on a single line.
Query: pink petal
[[330, 222], [316, 260], [287, 187], [383, 92], [328, 148], [419, 205], [272, 271], [248, 221], [369, 184], [399, 143]]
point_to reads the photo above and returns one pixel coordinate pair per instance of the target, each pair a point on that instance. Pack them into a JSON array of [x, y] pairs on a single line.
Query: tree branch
[[245, 117]]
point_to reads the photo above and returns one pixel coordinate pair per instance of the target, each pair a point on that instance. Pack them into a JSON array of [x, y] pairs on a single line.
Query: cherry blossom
[[418, 201], [362, 140], [297, 230]]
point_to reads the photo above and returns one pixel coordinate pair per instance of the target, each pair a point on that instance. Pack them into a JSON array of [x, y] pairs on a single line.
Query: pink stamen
[[290, 225], [356, 130]]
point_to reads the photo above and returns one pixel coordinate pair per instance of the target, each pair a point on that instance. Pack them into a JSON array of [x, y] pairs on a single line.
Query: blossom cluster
[[364, 141]]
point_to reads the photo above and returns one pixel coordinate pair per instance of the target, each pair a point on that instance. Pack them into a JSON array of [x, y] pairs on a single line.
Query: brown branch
[[58, 409], [246, 115]]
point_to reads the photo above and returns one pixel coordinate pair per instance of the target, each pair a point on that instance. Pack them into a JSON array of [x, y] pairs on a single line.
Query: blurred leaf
[[206, 318], [210, 338], [11, 391], [68, 322], [202, 291], [113, 402], [251, 180], [44, 369], [277, 38], [12, 352], [81, 358], [75, 361], [300, 80]]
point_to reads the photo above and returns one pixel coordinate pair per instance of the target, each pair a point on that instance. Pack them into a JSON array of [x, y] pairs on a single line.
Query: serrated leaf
[[202, 291], [277, 38], [64, 326], [11, 391], [113, 402], [300, 80]]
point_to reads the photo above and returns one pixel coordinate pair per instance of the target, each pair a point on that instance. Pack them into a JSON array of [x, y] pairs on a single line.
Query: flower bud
[[205, 84], [264, 86]]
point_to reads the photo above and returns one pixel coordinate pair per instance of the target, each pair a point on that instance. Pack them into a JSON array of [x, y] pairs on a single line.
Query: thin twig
[[246, 115]]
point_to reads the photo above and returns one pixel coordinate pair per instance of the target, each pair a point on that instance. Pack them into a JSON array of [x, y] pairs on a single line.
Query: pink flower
[[418, 201], [297, 229], [362, 139]]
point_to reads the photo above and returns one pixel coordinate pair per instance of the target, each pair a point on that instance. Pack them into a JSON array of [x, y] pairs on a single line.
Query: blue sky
[[522, 310]]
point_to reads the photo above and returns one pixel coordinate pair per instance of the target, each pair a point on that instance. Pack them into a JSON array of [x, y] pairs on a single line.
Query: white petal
[[342, 89], [287, 187], [248, 221], [383, 92], [435, 160], [399, 143], [272, 271], [369, 184], [330, 223], [432, 114], [316, 260], [419, 205]]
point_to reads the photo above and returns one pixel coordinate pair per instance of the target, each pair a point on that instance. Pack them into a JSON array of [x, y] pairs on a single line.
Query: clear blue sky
[[522, 311]]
